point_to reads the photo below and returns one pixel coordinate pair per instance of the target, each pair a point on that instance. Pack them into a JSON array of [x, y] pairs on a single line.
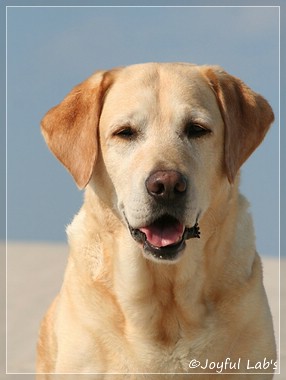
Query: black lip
[[169, 252]]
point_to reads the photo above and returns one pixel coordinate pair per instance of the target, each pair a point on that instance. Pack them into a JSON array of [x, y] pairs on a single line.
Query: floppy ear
[[247, 117], [70, 128]]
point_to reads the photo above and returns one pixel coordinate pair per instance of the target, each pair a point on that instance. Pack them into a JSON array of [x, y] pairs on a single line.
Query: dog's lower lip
[[169, 252]]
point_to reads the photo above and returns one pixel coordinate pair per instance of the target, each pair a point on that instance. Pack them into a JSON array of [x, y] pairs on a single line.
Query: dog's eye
[[126, 133], [194, 130]]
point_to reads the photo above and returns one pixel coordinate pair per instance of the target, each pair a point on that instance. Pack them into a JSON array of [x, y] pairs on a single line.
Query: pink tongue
[[161, 236]]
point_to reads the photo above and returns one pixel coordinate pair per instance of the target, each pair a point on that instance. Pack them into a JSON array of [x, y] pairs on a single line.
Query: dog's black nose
[[166, 185]]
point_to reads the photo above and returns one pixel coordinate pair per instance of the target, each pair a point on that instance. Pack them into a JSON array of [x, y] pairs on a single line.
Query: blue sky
[[50, 49]]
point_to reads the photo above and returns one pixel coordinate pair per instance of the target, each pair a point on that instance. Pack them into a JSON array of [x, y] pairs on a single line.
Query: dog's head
[[158, 142]]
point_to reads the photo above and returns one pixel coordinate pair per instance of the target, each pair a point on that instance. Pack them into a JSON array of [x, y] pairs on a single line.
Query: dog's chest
[[164, 339], [161, 355]]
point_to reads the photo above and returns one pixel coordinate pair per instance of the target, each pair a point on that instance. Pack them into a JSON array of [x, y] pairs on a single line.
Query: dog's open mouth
[[165, 238]]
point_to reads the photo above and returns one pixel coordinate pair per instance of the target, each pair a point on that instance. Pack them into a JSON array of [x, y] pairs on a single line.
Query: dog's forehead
[[161, 79], [168, 87]]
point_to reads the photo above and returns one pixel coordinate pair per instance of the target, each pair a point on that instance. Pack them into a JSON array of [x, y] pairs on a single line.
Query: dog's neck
[[149, 291]]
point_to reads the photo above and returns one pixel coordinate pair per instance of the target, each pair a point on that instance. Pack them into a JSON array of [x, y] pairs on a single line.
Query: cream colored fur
[[119, 311]]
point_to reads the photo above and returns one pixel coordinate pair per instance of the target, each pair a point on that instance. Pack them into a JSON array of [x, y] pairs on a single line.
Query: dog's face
[[160, 142]]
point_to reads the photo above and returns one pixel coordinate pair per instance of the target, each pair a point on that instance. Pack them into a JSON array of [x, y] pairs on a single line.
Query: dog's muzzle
[[164, 238]]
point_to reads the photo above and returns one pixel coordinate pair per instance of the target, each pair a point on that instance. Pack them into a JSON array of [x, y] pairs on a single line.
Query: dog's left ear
[[247, 117]]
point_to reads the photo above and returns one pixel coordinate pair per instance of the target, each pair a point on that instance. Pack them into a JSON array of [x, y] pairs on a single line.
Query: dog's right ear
[[70, 128]]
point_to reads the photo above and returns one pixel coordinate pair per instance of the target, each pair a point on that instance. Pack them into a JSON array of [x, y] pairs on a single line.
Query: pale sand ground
[[35, 273]]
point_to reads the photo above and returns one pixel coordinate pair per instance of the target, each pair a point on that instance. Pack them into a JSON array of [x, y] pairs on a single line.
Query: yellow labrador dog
[[163, 277]]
